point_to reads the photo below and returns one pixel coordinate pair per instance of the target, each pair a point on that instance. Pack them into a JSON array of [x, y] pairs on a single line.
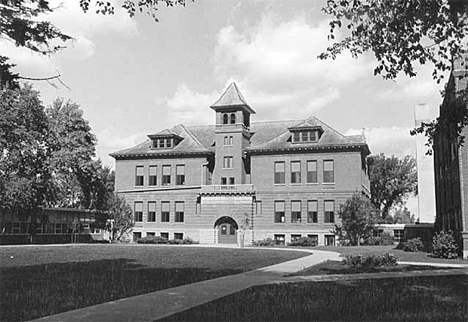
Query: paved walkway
[[157, 305]]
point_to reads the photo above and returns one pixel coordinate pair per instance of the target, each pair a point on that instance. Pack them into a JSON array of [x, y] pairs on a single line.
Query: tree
[[21, 23], [402, 35], [392, 181], [121, 220], [357, 216], [402, 216]]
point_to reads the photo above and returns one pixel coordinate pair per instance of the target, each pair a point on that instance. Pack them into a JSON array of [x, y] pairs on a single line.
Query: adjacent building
[[451, 159], [239, 181]]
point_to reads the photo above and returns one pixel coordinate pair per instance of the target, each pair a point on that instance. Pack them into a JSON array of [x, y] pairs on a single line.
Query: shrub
[[373, 241], [304, 241], [371, 261], [444, 245], [189, 241], [413, 245], [265, 242], [176, 241], [152, 240], [386, 239]]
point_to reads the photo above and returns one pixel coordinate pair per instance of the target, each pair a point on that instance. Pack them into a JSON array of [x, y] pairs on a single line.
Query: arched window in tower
[[233, 118], [225, 119]]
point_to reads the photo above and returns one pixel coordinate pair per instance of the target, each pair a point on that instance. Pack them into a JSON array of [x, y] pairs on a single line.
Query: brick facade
[[230, 186], [451, 161]]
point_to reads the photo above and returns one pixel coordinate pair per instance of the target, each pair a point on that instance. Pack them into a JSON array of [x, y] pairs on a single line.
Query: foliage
[[384, 239], [121, 219], [152, 240], [401, 216], [413, 245], [264, 243], [403, 35], [371, 261], [444, 245], [392, 180], [357, 220], [304, 242]]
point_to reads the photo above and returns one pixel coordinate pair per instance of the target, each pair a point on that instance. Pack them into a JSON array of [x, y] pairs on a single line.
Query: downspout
[[203, 173]]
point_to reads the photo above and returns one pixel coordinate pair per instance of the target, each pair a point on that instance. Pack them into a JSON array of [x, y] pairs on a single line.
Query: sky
[[134, 76]]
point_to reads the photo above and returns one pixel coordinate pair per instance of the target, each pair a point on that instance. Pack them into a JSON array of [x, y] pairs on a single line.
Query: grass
[[40, 281], [439, 298], [336, 267]]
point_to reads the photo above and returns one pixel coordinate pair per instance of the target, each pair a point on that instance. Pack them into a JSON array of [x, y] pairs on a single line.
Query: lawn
[[38, 281], [439, 298]]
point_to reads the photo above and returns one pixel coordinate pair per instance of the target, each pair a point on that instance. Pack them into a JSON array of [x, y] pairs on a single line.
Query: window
[[295, 237], [225, 119], [166, 175], [231, 141], [150, 234], [151, 211], [165, 211], [136, 235], [296, 172], [329, 240], [313, 136], [153, 175], [139, 181], [295, 211], [180, 175], [168, 143], [178, 236], [228, 140], [224, 181], [312, 172], [279, 211], [138, 211], [296, 137], [279, 239], [279, 173], [179, 211], [398, 234], [233, 118], [329, 211], [312, 206], [259, 207], [227, 164], [231, 181], [328, 171], [162, 143], [314, 239], [165, 235]]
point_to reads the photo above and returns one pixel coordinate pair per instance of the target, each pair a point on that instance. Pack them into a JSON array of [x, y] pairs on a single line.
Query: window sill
[[279, 184], [312, 183], [328, 183], [296, 184]]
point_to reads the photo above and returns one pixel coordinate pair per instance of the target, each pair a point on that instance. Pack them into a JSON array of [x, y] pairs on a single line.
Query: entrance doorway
[[227, 230]]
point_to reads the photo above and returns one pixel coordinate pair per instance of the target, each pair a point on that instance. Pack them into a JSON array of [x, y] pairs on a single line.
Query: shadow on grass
[[35, 291], [441, 298], [336, 267]]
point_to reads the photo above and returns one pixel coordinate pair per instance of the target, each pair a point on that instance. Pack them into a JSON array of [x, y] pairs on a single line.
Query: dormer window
[[306, 135], [165, 140]]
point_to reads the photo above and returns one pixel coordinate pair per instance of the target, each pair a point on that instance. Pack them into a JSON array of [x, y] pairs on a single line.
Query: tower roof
[[232, 97]]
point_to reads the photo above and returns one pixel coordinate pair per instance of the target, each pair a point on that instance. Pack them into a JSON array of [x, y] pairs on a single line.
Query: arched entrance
[[227, 230]]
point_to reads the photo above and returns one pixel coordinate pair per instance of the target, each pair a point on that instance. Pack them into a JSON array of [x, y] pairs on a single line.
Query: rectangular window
[[165, 235], [138, 211], [153, 175], [295, 237], [398, 234], [178, 236], [329, 211], [312, 172], [329, 240], [150, 234], [279, 173], [312, 136], [312, 211], [259, 207], [168, 143], [180, 174], [162, 143], [226, 141], [166, 175], [165, 211], [279, 239], [139, 179], [231, 181], [296, 136], [304, 136], [314, 239], [296, 172], [227, 163], [279, 211], [295, 211], [224, 181], [179, 211], [151, 211], [328, 171], [231, 141]]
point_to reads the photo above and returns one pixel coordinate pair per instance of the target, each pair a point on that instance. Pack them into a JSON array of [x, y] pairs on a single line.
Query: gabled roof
[[267, 136], [165, 134], [232, 97]]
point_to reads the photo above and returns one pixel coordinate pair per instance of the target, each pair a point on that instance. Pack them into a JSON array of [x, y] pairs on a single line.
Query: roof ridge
[[191, 135]]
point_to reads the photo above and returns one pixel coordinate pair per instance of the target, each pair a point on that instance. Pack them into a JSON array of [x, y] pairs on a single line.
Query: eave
[[152, 155], [300, 149]]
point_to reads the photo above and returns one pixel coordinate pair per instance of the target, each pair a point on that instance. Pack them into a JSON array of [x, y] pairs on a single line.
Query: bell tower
[[232, 136]]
